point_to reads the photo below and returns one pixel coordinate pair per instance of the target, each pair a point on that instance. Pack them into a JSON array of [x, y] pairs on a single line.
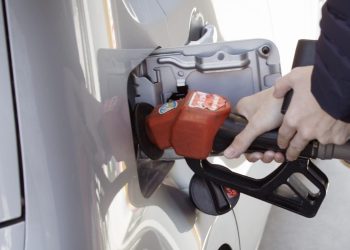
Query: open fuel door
[[231, 69]]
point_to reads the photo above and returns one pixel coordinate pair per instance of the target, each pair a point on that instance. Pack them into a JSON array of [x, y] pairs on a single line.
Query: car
[[72, 173]]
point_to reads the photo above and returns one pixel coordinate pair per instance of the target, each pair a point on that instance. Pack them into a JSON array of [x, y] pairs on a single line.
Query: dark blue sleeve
[[330, 81]]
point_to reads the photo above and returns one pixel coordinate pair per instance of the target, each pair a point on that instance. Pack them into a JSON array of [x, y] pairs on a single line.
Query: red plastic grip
[[188, 125]]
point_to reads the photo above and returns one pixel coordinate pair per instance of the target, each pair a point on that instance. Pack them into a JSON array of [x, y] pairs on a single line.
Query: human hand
[[305, 120], [263, 112]]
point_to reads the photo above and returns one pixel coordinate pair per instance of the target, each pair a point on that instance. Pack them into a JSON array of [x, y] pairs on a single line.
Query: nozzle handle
[[284, 187], [234, 124]]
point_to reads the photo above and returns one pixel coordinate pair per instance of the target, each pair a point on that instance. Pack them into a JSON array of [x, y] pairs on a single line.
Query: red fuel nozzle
[[188, 125]]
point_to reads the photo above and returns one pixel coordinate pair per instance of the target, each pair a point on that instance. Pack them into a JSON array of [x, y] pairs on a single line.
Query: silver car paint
[[12, 237], [81, 191], [10, 194]]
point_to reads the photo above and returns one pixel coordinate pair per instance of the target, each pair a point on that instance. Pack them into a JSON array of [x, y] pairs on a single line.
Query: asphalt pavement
[[328, 230]]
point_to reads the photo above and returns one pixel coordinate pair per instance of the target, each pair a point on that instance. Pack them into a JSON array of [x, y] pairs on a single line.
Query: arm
[[321, 106], [330, 82], [321, 100]]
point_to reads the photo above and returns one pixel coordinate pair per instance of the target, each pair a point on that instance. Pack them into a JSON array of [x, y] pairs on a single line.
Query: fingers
[[296, 145], [242, 141], [254, 157], [285, 134], [282, 86], [279, 157], [298, 76], [266, 157]]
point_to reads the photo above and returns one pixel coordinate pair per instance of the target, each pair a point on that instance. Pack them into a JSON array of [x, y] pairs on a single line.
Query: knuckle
[[339, 140], [282, 141], [291, 155], [241, 105], [278, 85], [295, 147], [294, 76], [290, 122], [323, 140], [306, 133], [282, 133]]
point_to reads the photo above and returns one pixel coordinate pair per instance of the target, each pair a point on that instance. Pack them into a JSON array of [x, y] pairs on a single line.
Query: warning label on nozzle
[[231, 193], [202, 100], [166, 107]]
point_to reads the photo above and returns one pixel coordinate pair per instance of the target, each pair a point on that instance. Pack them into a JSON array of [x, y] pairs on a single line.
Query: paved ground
[[330, 229]]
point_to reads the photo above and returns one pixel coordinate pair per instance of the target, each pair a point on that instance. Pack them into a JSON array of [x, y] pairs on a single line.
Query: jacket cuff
[[332, 95]]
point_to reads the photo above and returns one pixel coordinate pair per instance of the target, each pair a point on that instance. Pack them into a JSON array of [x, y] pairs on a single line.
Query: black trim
[[19, 152], [11, 222]]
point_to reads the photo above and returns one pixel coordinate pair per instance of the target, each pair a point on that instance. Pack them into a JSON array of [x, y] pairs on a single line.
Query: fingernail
[[230, 152]]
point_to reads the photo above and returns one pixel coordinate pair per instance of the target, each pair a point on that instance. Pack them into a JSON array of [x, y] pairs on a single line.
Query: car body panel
[[10, 190], [12, 237]]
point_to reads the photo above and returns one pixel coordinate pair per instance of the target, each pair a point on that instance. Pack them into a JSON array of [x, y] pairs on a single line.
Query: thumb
[[241, 142], [282, 86]]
